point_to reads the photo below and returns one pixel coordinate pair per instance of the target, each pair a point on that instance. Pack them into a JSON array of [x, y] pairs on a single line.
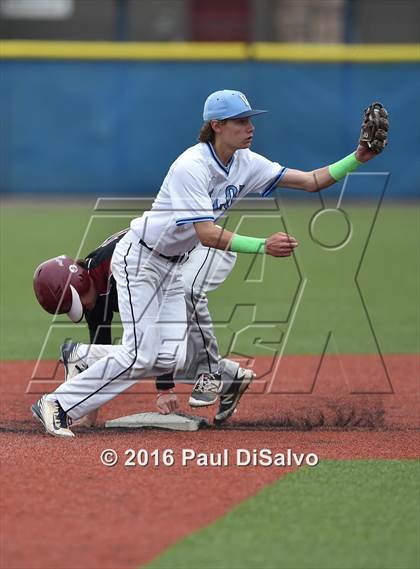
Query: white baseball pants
[[152, 309], [204, 271]]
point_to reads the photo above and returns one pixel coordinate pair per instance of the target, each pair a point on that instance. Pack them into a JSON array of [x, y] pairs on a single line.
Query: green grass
[[338, 515], [266, 304]]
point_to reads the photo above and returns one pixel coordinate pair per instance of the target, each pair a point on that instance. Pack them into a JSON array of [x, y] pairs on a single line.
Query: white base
[[173, 422]]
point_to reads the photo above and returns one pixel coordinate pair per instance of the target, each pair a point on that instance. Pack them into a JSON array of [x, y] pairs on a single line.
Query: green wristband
[[244, 244], [341, 168]]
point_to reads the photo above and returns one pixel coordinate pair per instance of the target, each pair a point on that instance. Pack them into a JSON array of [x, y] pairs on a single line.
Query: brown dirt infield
[[62, 509]]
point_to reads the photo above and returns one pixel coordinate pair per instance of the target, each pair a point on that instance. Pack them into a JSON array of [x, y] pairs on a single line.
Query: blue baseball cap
[[227, 104]]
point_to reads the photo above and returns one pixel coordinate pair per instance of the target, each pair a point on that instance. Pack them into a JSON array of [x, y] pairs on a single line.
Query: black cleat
[[230, 400]]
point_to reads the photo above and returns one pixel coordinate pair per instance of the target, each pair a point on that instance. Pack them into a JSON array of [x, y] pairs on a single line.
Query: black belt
[[173, 259]]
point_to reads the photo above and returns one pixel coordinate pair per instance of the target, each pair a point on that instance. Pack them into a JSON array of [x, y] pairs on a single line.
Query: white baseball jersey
[[199, 187]]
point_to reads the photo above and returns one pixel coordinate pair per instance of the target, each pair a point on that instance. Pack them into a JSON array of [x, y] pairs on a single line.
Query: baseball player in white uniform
[[91, 291], [202, 184]]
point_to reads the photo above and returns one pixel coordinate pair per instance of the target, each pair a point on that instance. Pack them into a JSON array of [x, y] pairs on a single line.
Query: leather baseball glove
[[374, 133]]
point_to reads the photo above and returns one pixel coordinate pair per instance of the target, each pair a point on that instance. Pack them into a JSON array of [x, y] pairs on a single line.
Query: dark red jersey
[[98, 263]]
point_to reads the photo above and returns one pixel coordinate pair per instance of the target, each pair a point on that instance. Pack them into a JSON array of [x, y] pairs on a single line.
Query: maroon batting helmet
[[58, 284]]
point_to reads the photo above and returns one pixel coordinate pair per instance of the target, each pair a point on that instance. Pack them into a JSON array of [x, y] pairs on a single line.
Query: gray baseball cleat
[[229, 400], [73, 364], [52, 416], [206, 390]]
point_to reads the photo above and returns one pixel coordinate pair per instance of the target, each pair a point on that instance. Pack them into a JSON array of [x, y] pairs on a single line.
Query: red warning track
[[62, 508]]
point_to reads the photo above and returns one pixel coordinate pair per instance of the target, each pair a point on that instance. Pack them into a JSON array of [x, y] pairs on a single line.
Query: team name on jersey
[[225, 201]]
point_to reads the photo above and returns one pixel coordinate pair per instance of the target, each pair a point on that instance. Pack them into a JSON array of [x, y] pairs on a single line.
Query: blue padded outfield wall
[[102, 127]]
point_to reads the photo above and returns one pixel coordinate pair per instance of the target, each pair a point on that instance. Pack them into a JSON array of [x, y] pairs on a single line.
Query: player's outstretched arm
[[212, 235], [372, 141], [277, 245], [317, 180]]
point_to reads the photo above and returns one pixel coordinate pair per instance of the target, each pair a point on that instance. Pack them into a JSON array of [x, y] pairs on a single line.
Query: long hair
[[207, 133]]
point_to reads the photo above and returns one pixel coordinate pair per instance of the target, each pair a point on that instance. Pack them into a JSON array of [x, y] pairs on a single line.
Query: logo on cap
[[245, 100]]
